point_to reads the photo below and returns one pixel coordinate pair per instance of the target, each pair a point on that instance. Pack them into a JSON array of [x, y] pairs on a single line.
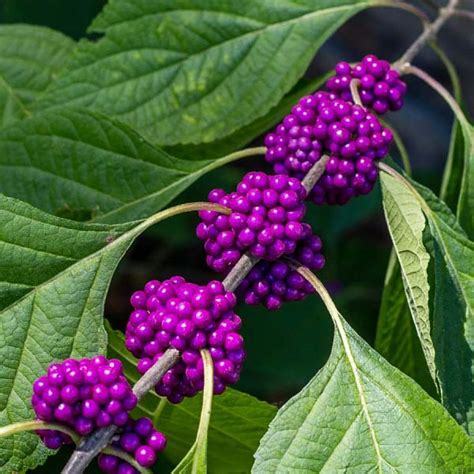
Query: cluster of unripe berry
[[266, 221], [188, 317], [139, 439]]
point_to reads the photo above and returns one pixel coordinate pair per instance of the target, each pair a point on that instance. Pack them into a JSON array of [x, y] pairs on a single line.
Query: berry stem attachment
[[355, 83], [440, 89], [242, 268], [430, 31], [91, 446]]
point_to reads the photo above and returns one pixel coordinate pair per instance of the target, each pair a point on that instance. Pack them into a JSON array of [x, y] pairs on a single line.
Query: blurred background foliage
[[288, 346]]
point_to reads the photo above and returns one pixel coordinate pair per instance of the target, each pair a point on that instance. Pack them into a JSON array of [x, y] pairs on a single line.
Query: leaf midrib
[[360, 389]]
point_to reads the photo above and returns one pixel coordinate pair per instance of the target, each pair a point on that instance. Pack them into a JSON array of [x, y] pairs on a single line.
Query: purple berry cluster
[[188, 317], [321, 124], [380, 86], [139, 439], [266, 220], [273, 283], [83, 394]]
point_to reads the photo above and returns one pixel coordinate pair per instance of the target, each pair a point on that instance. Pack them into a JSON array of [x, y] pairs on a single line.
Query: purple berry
[[343, 131], [145, 456], [157, 441], [272, 284], [139, 439], [72, 394], [381, 88], [260, 202], [108, 463], [188, 317]]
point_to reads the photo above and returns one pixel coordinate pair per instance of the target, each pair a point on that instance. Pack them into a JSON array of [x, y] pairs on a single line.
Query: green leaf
[[245, 135], [452, 176], [406, 223], [30, 58], [53, 280], [453, 173], [396, 338], [237, 424], [453, 293], [465, 205], [453, 314], [193, 71], [360, 414], [75, 163]]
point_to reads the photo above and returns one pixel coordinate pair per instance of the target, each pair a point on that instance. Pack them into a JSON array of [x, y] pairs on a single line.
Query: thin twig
[[409, 8], [239, 271], [91, 446], [439, 88], [315, 173], [428, 33], [464, 13]]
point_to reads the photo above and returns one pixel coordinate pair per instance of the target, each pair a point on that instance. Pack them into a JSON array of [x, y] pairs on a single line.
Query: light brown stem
[[429, 32]]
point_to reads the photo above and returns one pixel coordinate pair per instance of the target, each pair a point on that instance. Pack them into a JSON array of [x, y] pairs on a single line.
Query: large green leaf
[[396, 338], [453, 294], [237, 424], [453, 313], [30, 58], [193, 71], [360, 414], [79, 164], [54, 277], [406, 223]]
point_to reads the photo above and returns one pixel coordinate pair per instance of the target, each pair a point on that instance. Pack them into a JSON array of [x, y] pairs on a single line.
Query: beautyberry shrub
[[139, 439], [84, 395], [321, 124], [274, 283], [188, 317], [380, 87], [265, 220]]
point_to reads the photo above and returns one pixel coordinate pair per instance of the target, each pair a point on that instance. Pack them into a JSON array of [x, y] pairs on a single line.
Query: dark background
[[288, 346]]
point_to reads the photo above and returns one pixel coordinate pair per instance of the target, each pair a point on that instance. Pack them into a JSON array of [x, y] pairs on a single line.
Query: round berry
[[78, 394], [190, 318], [380, 88], [265, 219], [273, 284], [341, 130]]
